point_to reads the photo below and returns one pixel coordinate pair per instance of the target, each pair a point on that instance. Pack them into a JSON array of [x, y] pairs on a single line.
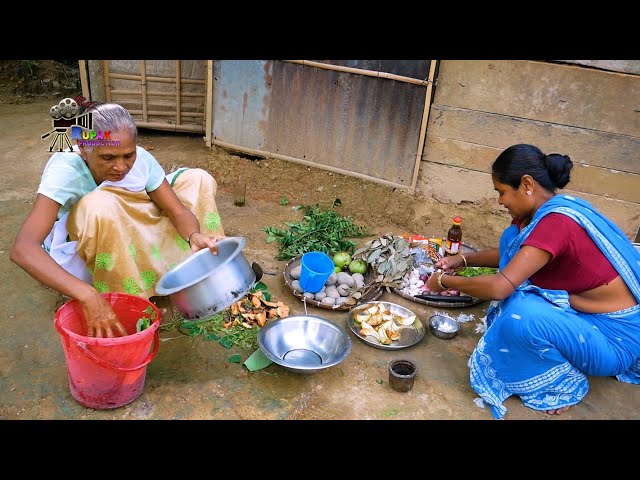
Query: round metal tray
[[409, 335], [465, 248], [368, 278]]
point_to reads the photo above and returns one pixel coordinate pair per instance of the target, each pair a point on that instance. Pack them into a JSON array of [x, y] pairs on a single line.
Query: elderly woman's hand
[[199, 241], [101, 319]]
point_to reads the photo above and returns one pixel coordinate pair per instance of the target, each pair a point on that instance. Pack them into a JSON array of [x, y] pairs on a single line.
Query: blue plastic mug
[[316, 268]]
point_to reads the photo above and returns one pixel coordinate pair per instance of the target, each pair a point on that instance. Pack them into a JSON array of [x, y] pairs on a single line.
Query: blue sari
[[537, 347]]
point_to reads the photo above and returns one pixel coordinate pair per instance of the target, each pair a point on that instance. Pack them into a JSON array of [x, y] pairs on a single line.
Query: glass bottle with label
[[454, 238]]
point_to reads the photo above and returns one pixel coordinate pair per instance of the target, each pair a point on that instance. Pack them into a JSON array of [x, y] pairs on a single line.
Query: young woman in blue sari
[[565, 296]]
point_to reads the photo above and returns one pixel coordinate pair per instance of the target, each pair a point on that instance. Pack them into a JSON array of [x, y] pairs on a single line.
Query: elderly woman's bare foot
[[559, 411]]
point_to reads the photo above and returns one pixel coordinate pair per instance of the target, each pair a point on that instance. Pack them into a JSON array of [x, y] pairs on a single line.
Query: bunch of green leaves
[[476, 271], [212, 328], [320, 230], [146, 321]]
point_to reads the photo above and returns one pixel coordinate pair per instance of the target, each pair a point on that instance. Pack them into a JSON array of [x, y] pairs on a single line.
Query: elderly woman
[[107, 219], [566, 293]]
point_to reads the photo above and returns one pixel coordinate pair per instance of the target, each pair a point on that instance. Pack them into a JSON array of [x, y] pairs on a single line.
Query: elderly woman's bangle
[[189, 239], [440, 281], [464, 259]]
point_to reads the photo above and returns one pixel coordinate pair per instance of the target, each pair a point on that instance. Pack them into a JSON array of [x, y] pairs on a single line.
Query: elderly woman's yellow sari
[[116, 238]]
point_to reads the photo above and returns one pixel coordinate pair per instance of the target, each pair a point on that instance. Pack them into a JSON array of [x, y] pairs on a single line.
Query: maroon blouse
[[576, 264]]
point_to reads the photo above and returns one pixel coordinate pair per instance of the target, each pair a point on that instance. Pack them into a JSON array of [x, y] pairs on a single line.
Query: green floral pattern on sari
[[101, 287], [155, 251], [131, 286], [104, 261], [132, 251], [212, 221], [182, 244], [148, 279]]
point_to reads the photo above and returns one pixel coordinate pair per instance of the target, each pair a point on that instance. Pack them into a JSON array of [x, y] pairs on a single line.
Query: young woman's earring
[[528, 192]]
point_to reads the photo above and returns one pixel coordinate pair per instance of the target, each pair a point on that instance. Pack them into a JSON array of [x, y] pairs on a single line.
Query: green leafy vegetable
[[265, 291], [142, 323], [212, 328], [476, 271], [145, 322], [320, 230]]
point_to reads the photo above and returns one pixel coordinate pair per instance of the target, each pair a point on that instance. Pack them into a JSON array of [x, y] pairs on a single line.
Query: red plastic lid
[[457, 220]]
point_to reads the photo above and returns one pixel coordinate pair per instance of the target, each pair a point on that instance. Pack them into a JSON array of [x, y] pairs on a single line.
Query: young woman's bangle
[[507, 278], [440, 281], [464, 259], [189, 239]]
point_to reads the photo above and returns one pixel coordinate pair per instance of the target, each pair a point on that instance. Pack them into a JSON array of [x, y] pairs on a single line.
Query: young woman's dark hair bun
[[559, 167]]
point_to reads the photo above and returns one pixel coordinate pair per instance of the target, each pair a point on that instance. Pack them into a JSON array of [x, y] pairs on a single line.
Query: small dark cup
[[402, 374]]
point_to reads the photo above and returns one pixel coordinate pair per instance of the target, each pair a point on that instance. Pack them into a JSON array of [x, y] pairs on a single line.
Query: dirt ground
[[193, 379]]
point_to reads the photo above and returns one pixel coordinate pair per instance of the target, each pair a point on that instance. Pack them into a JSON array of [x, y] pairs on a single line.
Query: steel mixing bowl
[[304, 343], [443, 327], [204, 284]]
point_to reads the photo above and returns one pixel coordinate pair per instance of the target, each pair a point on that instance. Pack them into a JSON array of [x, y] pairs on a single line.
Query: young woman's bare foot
[[559, 411]]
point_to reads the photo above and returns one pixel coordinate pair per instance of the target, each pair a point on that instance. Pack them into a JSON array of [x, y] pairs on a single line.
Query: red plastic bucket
[[108, 372]]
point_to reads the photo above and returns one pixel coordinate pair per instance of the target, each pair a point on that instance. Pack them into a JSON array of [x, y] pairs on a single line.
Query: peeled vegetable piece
[[405, 321], [361, 316], [391, 330], [368, 330]]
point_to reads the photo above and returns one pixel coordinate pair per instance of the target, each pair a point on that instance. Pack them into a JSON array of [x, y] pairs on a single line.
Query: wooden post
[[178, 92], [209, 105], [106, 80], [423, 126], [143, 84], [84, 81]]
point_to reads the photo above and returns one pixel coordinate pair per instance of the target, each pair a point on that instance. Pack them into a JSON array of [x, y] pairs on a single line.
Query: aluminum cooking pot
[[205, 284]]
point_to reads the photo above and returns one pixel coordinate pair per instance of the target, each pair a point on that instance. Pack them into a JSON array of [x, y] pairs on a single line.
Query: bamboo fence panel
[[177, 92], [106, 77], [143, 85], [209, 104], [150, 100], [423, 125]]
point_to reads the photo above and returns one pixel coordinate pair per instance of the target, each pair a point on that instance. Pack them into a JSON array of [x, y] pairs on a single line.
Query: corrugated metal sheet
[[348, 122], [241, 97]]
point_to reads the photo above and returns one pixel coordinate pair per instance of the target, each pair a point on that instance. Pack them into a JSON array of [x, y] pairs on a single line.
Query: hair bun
[[559, 167]]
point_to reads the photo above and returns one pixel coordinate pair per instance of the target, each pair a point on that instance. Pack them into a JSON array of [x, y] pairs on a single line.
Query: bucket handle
[[92, 356]]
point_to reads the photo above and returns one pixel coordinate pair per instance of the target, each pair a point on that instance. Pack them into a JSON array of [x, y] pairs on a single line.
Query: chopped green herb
[[476, 271]]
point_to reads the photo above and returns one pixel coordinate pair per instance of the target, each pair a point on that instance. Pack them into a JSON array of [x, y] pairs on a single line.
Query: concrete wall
[[593, 115]]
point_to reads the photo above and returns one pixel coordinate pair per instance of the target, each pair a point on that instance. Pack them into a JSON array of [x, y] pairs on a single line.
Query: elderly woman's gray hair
[[111, 117]]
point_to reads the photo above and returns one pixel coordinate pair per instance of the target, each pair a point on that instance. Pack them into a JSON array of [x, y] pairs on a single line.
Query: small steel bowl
[[442, 326], [304, 343]]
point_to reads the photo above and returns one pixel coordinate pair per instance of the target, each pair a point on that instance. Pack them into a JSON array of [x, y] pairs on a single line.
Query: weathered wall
[[482, 107]]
